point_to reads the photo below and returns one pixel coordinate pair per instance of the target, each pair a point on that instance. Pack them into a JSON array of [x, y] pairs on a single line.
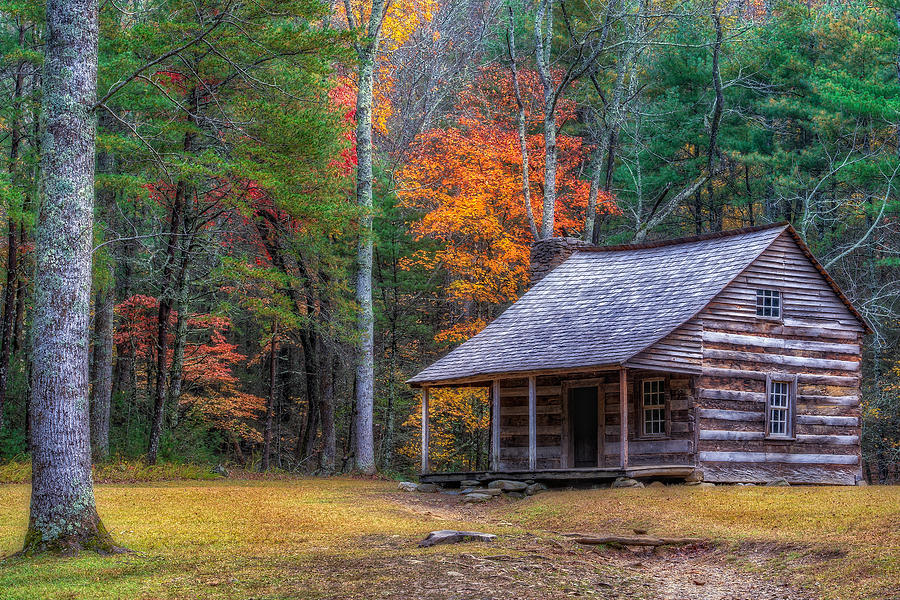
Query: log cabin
[[731, 357]]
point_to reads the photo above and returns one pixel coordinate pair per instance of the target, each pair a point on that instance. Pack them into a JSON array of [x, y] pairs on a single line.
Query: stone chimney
[[549, 253]]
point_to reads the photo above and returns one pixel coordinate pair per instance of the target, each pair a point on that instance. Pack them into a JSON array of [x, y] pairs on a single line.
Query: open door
[[583, 423]]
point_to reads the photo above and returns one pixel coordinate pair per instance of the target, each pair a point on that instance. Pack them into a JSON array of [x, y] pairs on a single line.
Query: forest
[[298, 204]]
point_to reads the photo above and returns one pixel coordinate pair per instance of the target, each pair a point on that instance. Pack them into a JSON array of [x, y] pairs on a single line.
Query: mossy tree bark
[[367, 52], [63, 513]]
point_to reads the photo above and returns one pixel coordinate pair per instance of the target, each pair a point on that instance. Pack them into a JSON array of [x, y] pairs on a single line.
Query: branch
[[122, 83]]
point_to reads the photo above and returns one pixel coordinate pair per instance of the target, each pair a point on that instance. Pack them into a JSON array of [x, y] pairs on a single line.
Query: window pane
[[768, 303], [653, 398], [779, 408]]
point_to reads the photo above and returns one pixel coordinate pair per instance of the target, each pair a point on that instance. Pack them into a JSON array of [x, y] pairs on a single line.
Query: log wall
[[677, 448], [552, 426], [817, 339]]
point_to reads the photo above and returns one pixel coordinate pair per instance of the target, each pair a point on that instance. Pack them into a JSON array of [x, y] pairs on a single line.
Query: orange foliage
[[466, 180]]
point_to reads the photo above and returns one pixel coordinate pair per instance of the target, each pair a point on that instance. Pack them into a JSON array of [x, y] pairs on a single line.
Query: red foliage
[[344, 97], [211, 385]]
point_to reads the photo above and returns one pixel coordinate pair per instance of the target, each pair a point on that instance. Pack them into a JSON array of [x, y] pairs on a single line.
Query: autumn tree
[[465, 183]]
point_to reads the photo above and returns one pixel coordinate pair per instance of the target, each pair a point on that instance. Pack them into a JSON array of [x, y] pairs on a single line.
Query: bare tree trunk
[[63, 511], [365, 369], [270, 404], [311, 348], [104, 305], [520, 125], [543, 34], [329, 440], [12, 256], [163, 317], [170, 292], [101, 390]]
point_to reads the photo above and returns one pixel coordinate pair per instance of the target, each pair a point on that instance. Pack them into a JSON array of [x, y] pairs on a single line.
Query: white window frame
[[775, 307], [663, 405], [785, 386]]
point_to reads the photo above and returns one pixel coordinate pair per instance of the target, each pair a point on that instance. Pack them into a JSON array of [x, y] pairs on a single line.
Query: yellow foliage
[[459, 421]]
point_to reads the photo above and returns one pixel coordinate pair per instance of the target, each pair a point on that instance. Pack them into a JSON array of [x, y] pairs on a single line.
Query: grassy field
[[346, 538]]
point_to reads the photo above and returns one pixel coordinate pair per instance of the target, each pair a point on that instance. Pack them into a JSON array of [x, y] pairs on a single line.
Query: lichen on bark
[[63, 513]]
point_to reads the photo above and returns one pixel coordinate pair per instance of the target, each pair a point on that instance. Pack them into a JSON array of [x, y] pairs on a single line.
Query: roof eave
[[486, 378]]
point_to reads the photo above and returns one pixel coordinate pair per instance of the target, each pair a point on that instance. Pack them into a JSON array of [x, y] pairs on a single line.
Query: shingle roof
[[604, 305]]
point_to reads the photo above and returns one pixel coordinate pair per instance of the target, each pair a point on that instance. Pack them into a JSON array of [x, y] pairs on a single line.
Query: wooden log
[[737, 395], [761, 376], [763, 472], [730, 415], [782, 359], [827, 420], [451, 536], [762, 341], [722, 434], [778, 457], [819, 399], [841, 440]]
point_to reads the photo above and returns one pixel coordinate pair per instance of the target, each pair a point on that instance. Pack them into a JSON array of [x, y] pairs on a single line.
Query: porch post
[[532, 423], [623, 417], [426, 433], [495, 425]]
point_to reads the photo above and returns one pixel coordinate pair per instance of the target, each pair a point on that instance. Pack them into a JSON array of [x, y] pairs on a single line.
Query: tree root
[[627, 540], [94, 539]]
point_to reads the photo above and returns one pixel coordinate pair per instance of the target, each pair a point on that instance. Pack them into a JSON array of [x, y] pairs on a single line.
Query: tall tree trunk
[[329, 439], [63, 511], [365, 368], [168, 298], [104, 304], [176, 370], [12, 255], [520, 124], [270, 404], [101, 390], [311, 347], [163, 317], [543, 33]]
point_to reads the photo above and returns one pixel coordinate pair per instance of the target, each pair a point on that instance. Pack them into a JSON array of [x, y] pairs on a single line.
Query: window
[[653, 407], [768, 304], [780, 395]]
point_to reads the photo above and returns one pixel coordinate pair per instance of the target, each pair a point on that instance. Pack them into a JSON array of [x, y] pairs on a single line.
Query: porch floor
[[598, 474]]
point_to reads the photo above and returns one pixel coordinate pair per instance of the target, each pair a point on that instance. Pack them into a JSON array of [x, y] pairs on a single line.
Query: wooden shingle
[[604, 305]]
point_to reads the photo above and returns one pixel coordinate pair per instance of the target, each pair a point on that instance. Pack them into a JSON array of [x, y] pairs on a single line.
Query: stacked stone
[[547, 254]]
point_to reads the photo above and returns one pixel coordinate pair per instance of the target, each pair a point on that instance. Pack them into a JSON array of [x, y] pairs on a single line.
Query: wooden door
[[583, 419]]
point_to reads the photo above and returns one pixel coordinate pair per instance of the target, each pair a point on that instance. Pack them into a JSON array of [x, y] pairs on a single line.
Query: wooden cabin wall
[[681, 351], [818, 339], [677, 448], [514, 423]]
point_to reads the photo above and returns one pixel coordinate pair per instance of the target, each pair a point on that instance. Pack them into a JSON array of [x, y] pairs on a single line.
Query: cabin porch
[[562, 476], [581, 426]]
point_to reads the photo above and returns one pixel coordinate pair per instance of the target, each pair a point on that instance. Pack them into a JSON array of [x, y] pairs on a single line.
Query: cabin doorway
[[583, 420]]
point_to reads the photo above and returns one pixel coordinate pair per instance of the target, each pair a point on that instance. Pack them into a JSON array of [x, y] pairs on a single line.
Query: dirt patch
[[543, 565]]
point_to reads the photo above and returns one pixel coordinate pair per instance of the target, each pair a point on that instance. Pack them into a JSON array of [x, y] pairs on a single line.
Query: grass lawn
[[346, 538]]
